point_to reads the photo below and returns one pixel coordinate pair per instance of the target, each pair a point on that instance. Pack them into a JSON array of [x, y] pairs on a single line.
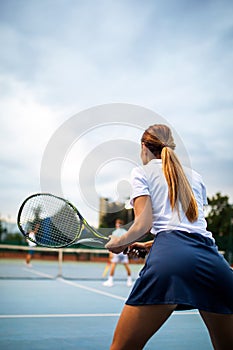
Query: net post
[[60, 260]]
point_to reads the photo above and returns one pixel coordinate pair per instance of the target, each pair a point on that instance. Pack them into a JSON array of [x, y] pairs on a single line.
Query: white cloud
[[25, 129], [173, 59]]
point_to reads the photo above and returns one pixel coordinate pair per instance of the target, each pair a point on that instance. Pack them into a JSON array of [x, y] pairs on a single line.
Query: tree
[[3, 231], [219, 221]]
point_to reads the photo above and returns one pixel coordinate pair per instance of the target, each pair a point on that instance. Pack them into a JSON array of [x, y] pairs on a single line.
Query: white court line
[[97, 291], [181, 313], [94, 290], [38, 273], [59, 315], [77, 285]]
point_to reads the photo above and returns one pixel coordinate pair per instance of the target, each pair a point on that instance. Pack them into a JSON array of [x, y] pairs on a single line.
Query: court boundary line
[[98, 291], [59, 315], [77, 285], [175, 313], [90, 289], [42, 274]]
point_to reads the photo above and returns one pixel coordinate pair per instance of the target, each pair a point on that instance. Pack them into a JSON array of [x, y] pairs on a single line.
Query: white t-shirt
[[118, 232], [32, 236], [121, 257], [149, 180]]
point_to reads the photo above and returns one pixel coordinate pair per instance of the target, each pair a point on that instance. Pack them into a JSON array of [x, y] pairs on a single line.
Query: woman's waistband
[[185, 234]]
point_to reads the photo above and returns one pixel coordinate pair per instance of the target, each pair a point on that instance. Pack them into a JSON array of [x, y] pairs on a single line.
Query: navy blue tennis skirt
[[185, 269]]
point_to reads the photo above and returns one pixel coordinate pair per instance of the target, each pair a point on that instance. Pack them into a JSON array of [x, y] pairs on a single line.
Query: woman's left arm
[[142, 224]]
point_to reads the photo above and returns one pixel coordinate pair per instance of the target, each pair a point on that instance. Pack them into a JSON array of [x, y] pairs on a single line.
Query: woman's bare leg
[[220, 328], [137, 324]]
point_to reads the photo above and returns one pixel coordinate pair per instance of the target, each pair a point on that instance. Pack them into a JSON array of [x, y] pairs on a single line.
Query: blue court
[[40, 310]]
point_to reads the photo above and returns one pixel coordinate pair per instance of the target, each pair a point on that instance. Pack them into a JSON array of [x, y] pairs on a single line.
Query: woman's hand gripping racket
[[56, 223]]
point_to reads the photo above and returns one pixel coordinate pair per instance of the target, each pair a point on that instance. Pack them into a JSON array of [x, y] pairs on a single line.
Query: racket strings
[[53, 220]]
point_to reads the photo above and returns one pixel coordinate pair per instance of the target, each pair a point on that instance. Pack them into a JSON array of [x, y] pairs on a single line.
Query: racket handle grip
[[142, 253], [139, 252]]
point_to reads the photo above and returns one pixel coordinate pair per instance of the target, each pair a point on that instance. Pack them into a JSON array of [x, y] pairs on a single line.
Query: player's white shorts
[[120, 258]]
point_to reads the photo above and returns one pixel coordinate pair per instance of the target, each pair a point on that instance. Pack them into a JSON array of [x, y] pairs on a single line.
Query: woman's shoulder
[[138, 170]]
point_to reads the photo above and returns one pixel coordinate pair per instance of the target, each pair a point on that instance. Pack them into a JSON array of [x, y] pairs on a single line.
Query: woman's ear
[[144, 154], [144, 148]]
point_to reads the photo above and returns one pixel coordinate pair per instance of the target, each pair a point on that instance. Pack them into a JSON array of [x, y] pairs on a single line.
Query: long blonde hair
[[159, 140]]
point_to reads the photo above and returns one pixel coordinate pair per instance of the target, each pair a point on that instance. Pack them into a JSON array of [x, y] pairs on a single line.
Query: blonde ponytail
[[158, 138], [178, 186]]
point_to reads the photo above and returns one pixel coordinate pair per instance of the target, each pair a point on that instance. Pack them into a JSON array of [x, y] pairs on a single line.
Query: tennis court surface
[[54, 305]]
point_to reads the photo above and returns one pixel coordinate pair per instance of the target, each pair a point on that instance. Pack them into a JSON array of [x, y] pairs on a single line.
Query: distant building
[[109, 211]]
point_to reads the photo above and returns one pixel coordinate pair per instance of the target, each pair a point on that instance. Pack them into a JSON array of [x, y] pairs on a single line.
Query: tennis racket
[[56, 223]]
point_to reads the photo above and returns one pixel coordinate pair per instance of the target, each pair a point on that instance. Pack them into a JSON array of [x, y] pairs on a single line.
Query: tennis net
[[50, 263]]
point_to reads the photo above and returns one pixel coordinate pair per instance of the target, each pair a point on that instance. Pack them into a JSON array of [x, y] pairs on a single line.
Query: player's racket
[[56, 223]]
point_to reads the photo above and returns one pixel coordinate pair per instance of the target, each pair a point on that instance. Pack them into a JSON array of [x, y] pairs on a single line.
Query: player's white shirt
[[121, 257], [118, 232], [149, 180], [32, 236]]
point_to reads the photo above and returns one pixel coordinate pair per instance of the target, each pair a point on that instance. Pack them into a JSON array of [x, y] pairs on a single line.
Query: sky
[[72, 75]]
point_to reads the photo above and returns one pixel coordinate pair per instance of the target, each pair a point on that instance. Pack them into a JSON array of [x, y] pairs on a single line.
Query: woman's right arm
[[142, 224]]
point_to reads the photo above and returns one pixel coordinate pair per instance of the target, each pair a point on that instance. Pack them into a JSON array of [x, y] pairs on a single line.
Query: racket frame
[[83, 223]]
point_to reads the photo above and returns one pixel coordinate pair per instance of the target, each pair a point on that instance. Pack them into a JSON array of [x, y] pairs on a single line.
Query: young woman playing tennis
[[183, 269]]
